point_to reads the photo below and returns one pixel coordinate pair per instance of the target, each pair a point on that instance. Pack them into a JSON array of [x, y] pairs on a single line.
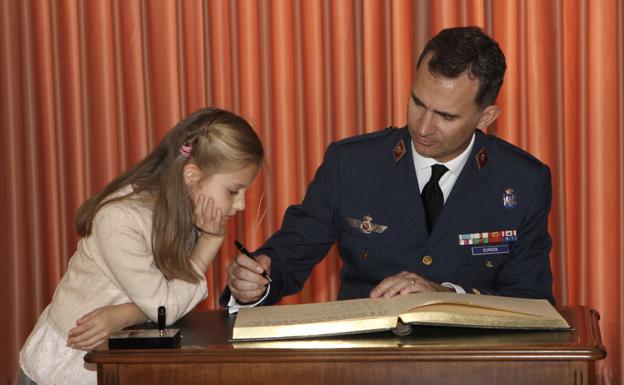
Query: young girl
[[147, 240]]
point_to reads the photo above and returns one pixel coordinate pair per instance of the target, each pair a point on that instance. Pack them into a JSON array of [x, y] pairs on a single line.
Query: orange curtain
[[88, 87]]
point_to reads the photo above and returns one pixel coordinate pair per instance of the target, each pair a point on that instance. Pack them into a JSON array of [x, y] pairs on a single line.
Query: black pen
[[162, 320], [247, 253]]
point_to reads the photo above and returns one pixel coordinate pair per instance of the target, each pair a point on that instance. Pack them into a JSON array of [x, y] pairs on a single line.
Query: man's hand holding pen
[[248, 276]]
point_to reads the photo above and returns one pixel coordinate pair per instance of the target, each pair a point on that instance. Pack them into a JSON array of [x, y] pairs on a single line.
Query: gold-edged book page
[[480, 311], [315, 319]]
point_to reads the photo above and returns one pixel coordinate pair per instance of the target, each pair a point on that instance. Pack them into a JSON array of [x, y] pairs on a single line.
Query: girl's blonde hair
[[218, 141]]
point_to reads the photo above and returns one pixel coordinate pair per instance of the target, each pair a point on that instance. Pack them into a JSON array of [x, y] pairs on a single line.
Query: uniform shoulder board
[[515, 149], [365, 137]]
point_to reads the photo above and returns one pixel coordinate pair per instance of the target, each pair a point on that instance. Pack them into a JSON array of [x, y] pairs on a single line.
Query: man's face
[[442, 114]]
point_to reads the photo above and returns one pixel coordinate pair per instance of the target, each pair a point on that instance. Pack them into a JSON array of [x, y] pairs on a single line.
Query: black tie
[[432, 196]]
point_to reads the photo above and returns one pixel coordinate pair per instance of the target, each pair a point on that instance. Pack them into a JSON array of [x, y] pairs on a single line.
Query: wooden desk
[[429, 355]]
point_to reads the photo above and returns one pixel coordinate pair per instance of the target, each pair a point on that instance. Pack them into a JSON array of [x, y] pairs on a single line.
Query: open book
[[367, 315]]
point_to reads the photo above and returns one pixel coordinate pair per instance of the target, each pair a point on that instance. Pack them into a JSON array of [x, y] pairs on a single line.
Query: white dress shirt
[[423, 169], [423, 174]]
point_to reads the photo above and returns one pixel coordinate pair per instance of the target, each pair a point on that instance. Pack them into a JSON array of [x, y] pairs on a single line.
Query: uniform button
[[489, 264], [427, 260]]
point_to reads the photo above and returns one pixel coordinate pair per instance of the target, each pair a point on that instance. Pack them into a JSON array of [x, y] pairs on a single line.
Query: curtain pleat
[[30, 154], [68, 123], [542, 79], [603, 192], [254, 230], [88, 88], [131, 84], [614, 369], [403, 57], [13, 244], [375, 62]]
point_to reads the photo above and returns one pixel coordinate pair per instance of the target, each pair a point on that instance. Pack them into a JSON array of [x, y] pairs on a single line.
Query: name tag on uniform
[[486, 250]]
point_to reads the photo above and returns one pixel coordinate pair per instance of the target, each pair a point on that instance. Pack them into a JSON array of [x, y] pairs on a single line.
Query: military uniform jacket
[[365, 198]]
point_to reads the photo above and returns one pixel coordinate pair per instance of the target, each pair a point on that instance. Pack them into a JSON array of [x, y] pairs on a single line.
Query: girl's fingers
[[91, 342], [79, 329], [95, 344], [203, 203], [199, 203], [212, 216], [208, 217], [87, 317], [217, 218], [209, 208], [204, 212], [82, 337]]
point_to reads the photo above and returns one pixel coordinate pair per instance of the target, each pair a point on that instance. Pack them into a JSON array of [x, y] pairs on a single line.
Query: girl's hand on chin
[[206, 218]]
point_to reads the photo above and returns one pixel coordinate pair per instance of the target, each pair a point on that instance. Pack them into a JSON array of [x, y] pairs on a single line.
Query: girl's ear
[[191, 174]]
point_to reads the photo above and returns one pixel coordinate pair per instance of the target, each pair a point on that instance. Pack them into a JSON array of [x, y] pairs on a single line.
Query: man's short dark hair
[[455, 50]]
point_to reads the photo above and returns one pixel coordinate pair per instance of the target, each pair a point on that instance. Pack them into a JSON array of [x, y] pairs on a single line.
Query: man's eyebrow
[[417, 101], [445, 114]]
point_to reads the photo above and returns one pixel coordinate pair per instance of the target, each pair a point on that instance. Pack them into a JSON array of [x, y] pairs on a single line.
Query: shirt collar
[[454, 165]]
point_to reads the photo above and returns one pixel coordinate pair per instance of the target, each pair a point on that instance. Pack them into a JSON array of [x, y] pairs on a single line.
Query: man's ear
[[488, 116], [191, 174]]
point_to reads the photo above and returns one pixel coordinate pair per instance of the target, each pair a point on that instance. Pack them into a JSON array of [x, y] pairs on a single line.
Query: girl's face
[[227, 189]]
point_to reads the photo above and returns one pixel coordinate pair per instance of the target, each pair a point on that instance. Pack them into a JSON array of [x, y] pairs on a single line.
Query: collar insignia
[[399, 150], [481, 158]]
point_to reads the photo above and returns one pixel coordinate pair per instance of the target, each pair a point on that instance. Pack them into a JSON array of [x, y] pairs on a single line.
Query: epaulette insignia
[[398, 150], [481, 158]]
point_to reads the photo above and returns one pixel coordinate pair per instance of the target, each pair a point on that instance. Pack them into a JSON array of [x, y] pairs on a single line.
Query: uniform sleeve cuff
[[457, 288], [234, 306]]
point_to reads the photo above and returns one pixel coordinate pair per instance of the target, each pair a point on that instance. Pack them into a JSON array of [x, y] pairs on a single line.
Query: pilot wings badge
[[366, 225]]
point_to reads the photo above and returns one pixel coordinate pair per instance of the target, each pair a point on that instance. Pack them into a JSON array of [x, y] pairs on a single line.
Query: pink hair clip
[[185, 149]]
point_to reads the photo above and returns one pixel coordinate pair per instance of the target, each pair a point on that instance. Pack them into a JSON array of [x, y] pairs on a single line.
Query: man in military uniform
[[436, 206]]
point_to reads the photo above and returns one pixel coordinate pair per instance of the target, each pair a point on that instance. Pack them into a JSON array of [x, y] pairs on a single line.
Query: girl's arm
[[206, 248], [208, 220], [128, 260], [95, 327], [124, 253]]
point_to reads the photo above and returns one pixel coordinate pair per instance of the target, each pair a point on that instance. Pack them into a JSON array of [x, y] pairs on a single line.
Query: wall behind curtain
[[87, 88]]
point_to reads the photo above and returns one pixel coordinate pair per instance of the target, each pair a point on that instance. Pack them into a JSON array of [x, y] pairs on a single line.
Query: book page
[[315, 319], [315, 312], [535, 307], [481, 310]]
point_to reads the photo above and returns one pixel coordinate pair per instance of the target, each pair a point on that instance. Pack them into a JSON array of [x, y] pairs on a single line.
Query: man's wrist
[[233, 304]]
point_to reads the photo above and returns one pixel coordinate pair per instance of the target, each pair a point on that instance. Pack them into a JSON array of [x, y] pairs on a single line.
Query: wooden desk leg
[[581, 373], [108, 374]]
